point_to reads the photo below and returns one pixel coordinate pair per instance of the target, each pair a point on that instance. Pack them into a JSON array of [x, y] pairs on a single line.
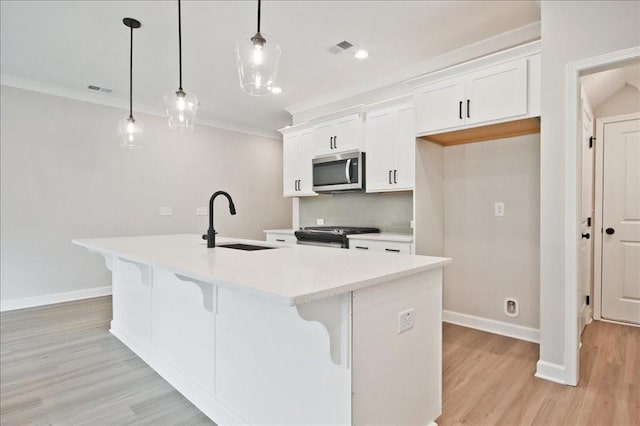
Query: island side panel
[[397, 377], [131, 288], [275, 367]]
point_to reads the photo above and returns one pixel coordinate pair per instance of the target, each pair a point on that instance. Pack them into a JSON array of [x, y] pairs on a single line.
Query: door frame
[[573, 202], [597, 217]]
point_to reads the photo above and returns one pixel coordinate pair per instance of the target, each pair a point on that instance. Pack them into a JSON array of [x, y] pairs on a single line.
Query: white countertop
[[383, 236], [291, 274]]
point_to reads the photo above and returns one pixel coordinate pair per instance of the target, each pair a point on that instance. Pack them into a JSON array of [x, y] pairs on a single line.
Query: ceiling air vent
[[99, 89], [340, 47]]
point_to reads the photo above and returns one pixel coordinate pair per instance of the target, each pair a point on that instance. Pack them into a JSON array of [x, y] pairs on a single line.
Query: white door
[[347, 136], [305, 167], [379, 138], [497, 92], [323, 138], [404, 149], [440, 106], [586, 244], [621, 222], [290, 149]]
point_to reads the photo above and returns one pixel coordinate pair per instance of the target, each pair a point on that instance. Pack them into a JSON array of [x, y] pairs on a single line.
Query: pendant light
[[257, 56], [130, 129], [181, 107]]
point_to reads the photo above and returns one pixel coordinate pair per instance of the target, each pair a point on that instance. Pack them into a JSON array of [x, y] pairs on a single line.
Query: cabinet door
[[404, 149], [347, 136], [305, 166], [290, 154], [323, 138], [440, 106], [498, 92], [379, 141]]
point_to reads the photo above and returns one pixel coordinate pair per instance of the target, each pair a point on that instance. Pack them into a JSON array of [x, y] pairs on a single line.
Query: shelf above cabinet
[[507, 129]]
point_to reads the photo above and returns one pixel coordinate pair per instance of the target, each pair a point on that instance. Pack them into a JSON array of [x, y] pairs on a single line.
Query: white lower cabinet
[[402, 245], [282, 237]]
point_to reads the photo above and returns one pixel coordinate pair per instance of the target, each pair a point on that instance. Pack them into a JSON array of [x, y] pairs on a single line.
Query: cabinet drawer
[[380, 246], [282, 239]]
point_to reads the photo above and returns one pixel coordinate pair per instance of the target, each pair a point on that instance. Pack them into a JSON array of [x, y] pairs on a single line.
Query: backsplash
[[391, 211]]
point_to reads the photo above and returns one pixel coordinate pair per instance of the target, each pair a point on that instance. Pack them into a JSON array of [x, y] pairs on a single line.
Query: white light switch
[[319, 221], [201, 211], [166, 211], [498, 209]]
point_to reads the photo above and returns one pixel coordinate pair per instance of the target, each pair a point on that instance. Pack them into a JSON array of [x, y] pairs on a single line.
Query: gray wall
[[493, 257], [391, 211], [64, 176], [571, 31]]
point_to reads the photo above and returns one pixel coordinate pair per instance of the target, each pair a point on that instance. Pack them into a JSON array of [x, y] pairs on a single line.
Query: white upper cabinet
[[497, 92], [440, 105], [297, 153], [489, 95], [390, 149], [338, 135]]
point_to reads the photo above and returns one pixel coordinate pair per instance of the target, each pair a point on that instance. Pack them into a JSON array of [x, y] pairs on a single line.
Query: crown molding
[[508, 39], [106, 100]]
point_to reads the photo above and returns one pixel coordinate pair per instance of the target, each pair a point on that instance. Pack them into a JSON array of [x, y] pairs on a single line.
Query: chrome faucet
[[210, 236]]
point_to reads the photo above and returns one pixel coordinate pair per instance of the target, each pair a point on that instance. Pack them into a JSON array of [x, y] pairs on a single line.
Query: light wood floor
[[60, 365]]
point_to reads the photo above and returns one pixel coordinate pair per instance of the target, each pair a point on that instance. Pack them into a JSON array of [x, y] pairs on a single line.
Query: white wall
[[493, 257], [571, 31], [64, 176], [624, 101]]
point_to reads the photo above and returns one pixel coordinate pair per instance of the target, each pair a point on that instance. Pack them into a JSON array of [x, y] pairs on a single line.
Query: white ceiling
[[602, 85], [71, 44]]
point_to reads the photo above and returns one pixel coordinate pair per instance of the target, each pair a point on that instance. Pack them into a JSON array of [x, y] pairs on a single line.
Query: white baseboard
[[50, 299], [550, 371], [492, 326]]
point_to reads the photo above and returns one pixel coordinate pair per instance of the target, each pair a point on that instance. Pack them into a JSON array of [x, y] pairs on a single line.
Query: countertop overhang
[[290, 274]]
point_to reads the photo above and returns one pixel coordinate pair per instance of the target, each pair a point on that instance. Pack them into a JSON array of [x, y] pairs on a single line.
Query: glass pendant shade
[[131, 132], [181, 109], [257, 56]]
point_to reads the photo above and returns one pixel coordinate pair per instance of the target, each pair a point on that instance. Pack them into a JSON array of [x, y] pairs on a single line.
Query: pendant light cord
[[258, 16], [131, 75], [180, 44]]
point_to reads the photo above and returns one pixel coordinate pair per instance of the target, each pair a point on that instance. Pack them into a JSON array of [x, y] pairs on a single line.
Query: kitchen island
[[289, 335]]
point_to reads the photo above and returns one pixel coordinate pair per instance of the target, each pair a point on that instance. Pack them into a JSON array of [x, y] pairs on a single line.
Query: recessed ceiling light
[[276, 90], [361, 54]]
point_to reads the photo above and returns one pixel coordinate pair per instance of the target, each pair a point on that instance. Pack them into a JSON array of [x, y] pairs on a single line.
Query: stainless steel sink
[[245, 247]]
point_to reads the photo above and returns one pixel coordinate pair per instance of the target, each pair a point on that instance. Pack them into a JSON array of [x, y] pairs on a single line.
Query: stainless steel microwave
[[339, 172]]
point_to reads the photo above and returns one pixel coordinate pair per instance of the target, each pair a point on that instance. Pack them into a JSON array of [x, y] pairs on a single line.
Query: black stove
[[331, 236]]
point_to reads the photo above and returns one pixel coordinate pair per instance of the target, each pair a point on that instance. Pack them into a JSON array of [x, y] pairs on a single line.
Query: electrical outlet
[[319, 221], [201, 211], [411, 224], [166, 211], [406, 320], [498, 209], [511, 307]]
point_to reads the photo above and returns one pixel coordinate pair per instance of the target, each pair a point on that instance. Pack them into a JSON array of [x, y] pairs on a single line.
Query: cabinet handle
[[390, 177], [395, 176], [298, 185], [279, 240], [335, 142], [460, 110], [468, 109], [362, 248], [330, 142], [393, 250]]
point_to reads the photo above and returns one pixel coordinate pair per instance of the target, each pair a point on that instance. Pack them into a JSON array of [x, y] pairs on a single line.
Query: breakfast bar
[[282, 334]]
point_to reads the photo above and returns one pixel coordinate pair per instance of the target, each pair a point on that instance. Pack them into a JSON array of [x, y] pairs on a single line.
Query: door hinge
[[589, 222], [588, 300], [592, 141]]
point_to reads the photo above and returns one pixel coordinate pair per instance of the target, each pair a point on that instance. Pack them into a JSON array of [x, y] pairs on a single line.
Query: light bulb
[[131, 132], [131, 128], [258, 81], [180, 103], [258, 56]]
